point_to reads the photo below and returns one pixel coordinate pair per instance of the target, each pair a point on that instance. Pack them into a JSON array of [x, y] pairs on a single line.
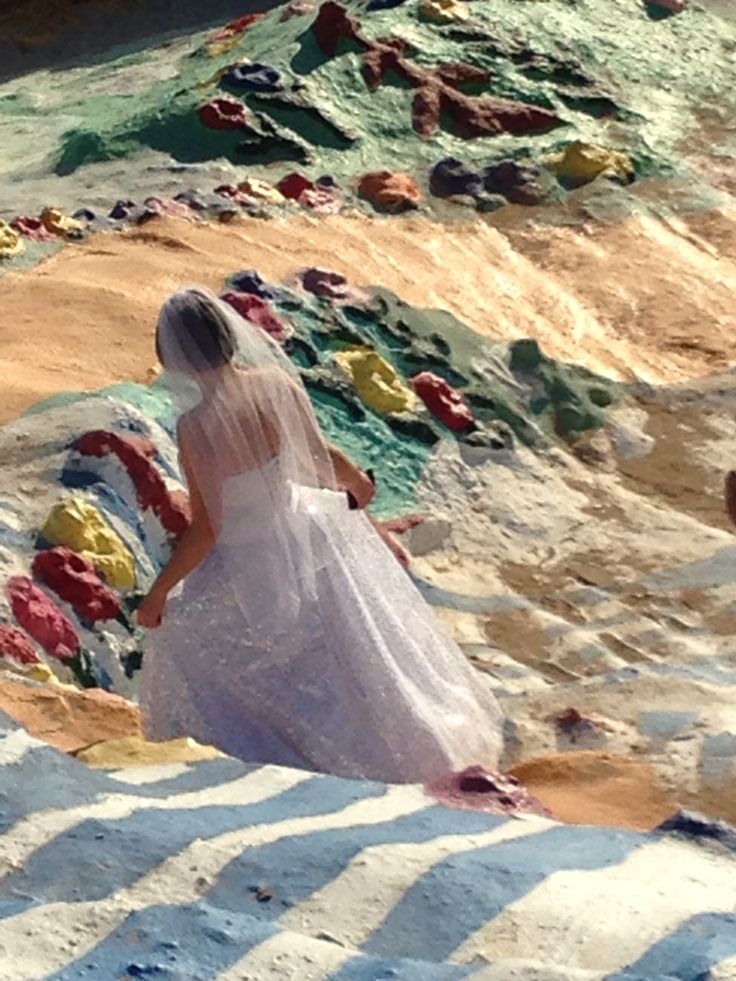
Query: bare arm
[[192, 548]]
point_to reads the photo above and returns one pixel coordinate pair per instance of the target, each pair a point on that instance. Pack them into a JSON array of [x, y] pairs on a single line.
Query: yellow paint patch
[[377, 382], [115, 754], [58, 223], [580, 163], [80, 526], [216, 48], [444, 11], [43, 673], [261, 191], [11, 242]]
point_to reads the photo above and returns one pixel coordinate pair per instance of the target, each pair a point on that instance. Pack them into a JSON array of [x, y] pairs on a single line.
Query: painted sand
[[538, 369]]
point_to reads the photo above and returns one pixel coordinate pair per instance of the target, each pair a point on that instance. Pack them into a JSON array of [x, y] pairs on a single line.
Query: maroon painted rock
[[42, 619], [294, 185], [15, 644], [443, 401], [440, 99], [32, 228], [225, 114], [258, 311], [478, 789], [136, 455], [324, 282], [730, 495], [75, 580]]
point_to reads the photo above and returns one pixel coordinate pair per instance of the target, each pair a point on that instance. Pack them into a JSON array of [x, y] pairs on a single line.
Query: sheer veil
[[253, 452]]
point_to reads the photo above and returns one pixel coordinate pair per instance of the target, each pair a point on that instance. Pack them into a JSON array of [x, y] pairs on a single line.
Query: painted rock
[[224, 114], [236, 27], [519, 182], [32, 228], [383, 5], [258, 311], [444, 11], [84, 214], [376, 381], [261, 191], [580, 163], [14, 644], [477, 789], [192, 199], [58, 223], [251, 281], [136, 454], [252, 77], [730, 495], [314, 196], [443, 401], [73, 578], [390, 191], [42, 619], [79, 525], [134, 750], [11, 244], [165, 206], [122, 210], [65, 717], [451, 177], [294, 185], [324, 282]]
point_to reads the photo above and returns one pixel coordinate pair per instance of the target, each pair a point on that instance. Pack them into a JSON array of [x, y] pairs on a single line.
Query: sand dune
[[641, 298]]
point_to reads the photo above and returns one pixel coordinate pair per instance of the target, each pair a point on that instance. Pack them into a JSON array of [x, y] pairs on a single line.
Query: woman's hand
[[151, 610]]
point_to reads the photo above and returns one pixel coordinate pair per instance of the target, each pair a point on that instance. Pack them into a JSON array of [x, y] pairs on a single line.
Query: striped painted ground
[[223, 870]]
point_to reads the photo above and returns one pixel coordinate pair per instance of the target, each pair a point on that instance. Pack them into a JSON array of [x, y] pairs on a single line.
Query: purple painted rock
[[519, 182], [122, 210], [451, 177], [252, 77]]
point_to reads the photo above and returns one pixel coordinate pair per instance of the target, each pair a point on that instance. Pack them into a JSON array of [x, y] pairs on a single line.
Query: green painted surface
[[616, 76]]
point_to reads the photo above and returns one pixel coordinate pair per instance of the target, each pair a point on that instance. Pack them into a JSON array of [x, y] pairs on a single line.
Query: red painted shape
[[225, 114], [238, 26], [15, 644], [438, 91], [258, 311], [294, 185], [443, 401], [478, 789], [41, 618], [75, 580], [136, 455], [32, 228]]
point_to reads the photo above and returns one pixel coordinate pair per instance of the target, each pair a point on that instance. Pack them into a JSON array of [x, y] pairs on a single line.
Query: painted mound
[[220, 869], [489, 102], [545, 511]]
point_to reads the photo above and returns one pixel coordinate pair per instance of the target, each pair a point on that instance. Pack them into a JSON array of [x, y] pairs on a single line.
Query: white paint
[[289, 957], [636, 902], [37, 940], [354, 904]]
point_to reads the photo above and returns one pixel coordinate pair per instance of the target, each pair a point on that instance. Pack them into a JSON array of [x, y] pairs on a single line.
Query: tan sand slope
[[639, 297]]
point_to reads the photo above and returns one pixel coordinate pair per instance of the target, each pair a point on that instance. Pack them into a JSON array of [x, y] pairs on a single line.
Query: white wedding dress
[[339, 666]]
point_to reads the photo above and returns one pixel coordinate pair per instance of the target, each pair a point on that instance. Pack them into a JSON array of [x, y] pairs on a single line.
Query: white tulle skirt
[[355, 676]]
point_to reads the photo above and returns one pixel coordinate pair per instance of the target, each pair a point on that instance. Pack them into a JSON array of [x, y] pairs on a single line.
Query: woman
[[288, 632]]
